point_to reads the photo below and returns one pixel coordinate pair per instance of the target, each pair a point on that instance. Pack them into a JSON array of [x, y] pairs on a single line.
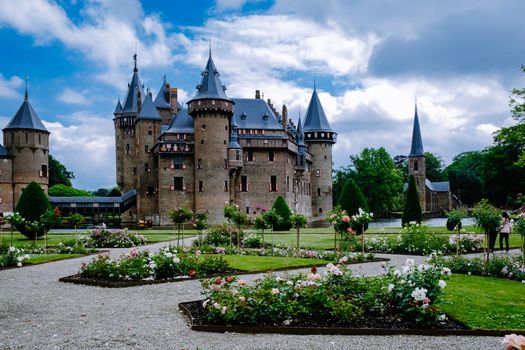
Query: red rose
[[218, 281], [228, 279], [192, 273], [313, 270]]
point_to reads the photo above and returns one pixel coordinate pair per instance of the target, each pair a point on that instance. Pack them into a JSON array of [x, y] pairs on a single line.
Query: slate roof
[[121, 199], [315, 119], [181, 122], [255, 114], [4, 152], [416, 148], [26, 118], [210, 86], [234, 141], [149, 111], [160, 100], [134, 88], [300, 134], [118, 108], [443, 186]]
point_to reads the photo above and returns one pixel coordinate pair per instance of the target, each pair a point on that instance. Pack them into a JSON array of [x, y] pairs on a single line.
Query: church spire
[[416, 148]]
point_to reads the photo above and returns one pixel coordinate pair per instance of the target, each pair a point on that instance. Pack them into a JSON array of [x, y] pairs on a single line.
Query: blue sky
[[369, 59]]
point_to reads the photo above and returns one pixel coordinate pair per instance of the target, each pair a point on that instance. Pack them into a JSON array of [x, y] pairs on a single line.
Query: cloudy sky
[[370, 60]]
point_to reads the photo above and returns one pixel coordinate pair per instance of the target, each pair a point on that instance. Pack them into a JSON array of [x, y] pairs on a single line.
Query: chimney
[[173, 101], [257, 94], [285, 116], [270, 102], [167, 93]]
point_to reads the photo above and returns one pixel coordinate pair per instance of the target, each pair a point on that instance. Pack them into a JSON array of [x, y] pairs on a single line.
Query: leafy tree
[[339, 178], [412, 208], [101, 192], [179, 216], [434, 167], [282, 209], [298, 222], [401, 162], [466, 176], [58, 173], [114, 192], [60, 190], [201, 223], [351, 198], [33, 203], [379, 179], [488, 218]]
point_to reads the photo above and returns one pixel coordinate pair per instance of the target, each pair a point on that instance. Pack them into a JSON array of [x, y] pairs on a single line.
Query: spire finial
[[209, 43], [314, 84], [164, 77], [135, 61], [415, 103], [26, 94]]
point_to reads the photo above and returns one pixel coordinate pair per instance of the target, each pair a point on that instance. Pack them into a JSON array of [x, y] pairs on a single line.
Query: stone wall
[[417, 167], [321, 178]]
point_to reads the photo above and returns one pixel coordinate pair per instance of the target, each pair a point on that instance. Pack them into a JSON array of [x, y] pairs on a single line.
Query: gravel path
[[38, 312]]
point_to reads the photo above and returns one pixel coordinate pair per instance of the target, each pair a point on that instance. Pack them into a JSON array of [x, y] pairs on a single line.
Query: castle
[[433, 196], [219, 150], [24, 156]]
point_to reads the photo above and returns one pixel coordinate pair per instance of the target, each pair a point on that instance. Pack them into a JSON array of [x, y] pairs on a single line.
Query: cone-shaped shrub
[[412, 208], [32, 204], [284, 212], [351, 198]]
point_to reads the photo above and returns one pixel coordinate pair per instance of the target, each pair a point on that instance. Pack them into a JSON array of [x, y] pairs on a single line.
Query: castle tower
[[319, 137], [416, 161], [166, 102], [211, 111], [27, 141], [124, 121], [235, 162], [147, 130]]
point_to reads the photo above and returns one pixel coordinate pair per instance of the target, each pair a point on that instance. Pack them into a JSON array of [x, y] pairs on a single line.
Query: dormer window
[[265, 116], [243, 116]]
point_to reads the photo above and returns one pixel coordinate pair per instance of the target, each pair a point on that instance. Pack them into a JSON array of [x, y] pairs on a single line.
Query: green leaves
[[412, 208]]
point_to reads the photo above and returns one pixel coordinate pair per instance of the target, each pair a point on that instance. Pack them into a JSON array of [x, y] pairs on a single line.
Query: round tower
[[416, 161], [211, 111], [27, 141], [319, 137]]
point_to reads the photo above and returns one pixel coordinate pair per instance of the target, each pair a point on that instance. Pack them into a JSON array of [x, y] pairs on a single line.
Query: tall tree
[[412, 208], [379, 179], [434, 167], [401, 162], [58, 173], [466, 176]]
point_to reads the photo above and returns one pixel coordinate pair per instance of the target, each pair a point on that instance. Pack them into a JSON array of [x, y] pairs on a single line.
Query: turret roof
[[118, 108], [162, 99], [210, 86], [315, 119], [300, 134], [234, 142], [4, 152], [134, 89], [417, 142], [149, 111], [182, 122], [26, 118]]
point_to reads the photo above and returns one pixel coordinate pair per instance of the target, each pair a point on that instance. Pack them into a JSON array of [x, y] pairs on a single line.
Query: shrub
[[112, 238], [412, 207], [12, 256], [219, 235], [351, 198], [252, 240], [33, 203], [282, 209], [60, 190]]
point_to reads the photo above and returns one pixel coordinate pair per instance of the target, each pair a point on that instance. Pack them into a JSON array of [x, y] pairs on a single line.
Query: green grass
[[43, 258], [260, 263], [485, 302]]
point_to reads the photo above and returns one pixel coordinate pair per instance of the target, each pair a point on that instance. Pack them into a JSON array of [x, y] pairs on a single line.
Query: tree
[[179, 216], [298, 222], [33, 203], [379, 179], [412, 208], [58, 173], [234, 215], [351, 198], [466, 177], [201, 223], [283, 210], [435, 166], [60, 190], [401, 162], [115, 192], [101, 192], [488, 218]]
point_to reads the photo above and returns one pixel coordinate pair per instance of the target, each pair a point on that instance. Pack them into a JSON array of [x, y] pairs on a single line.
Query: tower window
[[251, 158], [150, 132], [127, 148], [238, 155], [318, 192], [178, 183], [317, 172], [225, 186], [39, 138], [134, 170], [320, 210], [201, 186], [226, 164], [43, 170], [199, 163], [288, 184], [27, 138], [146, 148], [244, 183], [203, 126], [416, 166], [146, 168], [271, 156], [273, 183], [247, 210], [151, 191], [202, 142], [178, 163]]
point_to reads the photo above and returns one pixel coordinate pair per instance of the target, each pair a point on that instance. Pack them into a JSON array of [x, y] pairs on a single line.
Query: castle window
[[271, 156], [251, 158], [199, 163], [288, 184], [416, 166], [244, 183], [273, 183], [27, 138], [178, 163], [226, 127], [320, 210], [202, 142], [150, 132], [309, 189], [225, 185], [178, 183], [39, 138], [43, 170], [201, 186], [324, 157], [226, 164], [151, 191], [238, 154], [318, 192], [317, 172], [127, 148], [146, 148], [134, 170], [301, 160], [203, 126], [224, 141], [146, 168], [247, 210]]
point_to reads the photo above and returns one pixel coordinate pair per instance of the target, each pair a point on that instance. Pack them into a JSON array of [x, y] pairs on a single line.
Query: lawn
[[252, 263], [485, 302]]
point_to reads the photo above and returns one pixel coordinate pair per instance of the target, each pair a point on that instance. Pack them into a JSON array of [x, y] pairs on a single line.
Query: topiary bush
[[412, 208], [282, 209], [351, 198], [33, 203]]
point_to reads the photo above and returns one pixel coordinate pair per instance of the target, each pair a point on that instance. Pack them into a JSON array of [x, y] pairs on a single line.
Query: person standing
[[506, 230]]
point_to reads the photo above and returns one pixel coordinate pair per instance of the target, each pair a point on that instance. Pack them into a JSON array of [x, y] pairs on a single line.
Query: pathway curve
[[38, 312]]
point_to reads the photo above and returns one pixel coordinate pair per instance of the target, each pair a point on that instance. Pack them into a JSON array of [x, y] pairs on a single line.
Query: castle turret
[[166, 102], [319, 137], [124, 122], [416, 161], [211, 111], [26, 142]]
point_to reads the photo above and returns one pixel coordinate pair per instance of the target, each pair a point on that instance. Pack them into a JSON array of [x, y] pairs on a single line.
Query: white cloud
[[487, 128], [8, 86], [71, 96], [86, 147]]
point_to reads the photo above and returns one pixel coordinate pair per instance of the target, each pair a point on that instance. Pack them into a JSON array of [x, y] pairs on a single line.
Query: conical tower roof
[[210, 86], [315, 119], [149, 111], [134, 90], [118, 108], [300, 134], [162, 99], [234, 142], [26, 118], [417, 142]]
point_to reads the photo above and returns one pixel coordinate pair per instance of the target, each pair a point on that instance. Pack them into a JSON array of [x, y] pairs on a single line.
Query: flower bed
[[112, 238], [509, 267], [12, 256], [141, 267], [400, 299]]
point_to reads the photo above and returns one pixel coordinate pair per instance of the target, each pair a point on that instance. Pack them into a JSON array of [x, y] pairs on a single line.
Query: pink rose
[[346, 218]]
